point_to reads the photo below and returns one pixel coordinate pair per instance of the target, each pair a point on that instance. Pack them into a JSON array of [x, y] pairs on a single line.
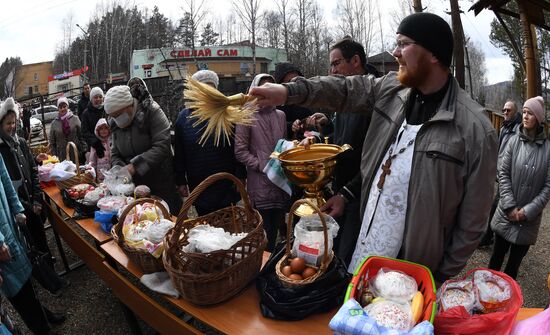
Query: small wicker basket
[[143, 258], [80, 178], [327, 257], [40, 148], [213, 277]]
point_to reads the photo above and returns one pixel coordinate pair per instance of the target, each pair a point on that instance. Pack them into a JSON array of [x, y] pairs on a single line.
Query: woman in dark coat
[[524, 186], [141, 141], [194, 162]]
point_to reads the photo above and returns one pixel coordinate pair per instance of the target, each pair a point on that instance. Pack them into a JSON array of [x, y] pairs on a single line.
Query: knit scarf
[[65, 123]]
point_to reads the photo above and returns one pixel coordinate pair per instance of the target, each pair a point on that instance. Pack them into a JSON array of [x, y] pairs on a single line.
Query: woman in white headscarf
[[140, 141]]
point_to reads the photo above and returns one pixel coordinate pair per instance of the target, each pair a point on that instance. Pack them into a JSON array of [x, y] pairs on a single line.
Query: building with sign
[[31, 80], [232, 63], [66, 83]]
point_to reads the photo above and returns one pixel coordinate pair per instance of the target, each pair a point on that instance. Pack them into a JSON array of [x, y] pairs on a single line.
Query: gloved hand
[[99, 149]]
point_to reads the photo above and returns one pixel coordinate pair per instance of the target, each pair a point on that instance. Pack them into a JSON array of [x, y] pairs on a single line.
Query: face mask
[[123, 120]]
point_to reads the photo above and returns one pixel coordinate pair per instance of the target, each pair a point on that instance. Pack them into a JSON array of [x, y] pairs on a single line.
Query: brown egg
[[308, 272], [295, 276], [286, 270], [297, 265]]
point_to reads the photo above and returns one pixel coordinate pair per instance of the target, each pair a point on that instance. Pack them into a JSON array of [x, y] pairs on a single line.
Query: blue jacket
[[194, 163], [18, 269]]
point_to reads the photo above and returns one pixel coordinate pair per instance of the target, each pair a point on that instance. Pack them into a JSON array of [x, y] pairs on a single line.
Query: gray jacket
[[524, 177], [146, 144], [58, 140], [453, 168]]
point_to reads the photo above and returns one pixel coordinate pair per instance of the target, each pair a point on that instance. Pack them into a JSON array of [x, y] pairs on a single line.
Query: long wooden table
[[240, 315]]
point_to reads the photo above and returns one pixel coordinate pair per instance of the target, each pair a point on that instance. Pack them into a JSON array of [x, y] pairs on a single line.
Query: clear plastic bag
[[391, 314], [493, 292], [394, 285], [119, 181], [309, 242], [457, 293]]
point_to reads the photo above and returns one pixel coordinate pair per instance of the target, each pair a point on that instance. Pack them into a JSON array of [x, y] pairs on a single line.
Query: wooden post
[[530, 58]]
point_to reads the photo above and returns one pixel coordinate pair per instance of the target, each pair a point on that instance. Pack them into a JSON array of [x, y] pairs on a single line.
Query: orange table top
[[239, 315], [91, 227]]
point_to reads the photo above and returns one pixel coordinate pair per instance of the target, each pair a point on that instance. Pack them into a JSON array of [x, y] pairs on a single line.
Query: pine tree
[[209, 36]]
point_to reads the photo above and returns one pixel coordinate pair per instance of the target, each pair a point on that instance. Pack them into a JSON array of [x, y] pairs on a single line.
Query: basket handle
[[128, 208], [205, 184], [289, 230], [68, 157]]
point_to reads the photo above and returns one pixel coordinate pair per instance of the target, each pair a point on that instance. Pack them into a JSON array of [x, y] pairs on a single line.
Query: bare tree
[[196, 12], [286, 22], [67, 25], [358, 19], [476, 71], [249, 13]]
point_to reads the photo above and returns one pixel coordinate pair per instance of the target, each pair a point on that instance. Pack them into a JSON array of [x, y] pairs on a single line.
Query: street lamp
[[85, 50]]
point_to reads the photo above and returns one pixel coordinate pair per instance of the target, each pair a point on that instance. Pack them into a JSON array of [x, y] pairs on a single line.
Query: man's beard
[[414, 77]]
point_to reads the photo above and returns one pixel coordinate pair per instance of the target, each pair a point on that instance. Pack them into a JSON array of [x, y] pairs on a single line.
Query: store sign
[[66, 75], [207, 52]]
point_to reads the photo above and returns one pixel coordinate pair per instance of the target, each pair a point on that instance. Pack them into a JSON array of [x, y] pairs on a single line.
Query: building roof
[[535, 10], [383, 57]]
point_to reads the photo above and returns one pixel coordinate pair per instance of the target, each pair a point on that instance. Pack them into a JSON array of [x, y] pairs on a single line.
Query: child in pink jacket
[[103, 132]]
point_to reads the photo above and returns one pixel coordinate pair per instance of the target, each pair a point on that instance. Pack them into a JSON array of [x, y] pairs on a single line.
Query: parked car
[[50, 113], [36, 127]]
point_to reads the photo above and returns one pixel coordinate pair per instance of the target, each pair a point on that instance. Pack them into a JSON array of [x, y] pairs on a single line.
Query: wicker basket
[[327, 257], [143, 258], [39, 149], [210, 278], [80, 178]]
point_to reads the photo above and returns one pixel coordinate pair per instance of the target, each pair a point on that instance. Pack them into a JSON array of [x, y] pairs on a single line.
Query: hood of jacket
[[255, 83], [99, 123]]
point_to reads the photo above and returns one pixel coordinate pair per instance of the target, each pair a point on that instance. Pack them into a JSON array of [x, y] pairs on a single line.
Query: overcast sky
[[32, 29]]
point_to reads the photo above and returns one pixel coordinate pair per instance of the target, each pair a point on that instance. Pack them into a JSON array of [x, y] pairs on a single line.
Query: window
[[29, 90], [35, 88], [36, 77]]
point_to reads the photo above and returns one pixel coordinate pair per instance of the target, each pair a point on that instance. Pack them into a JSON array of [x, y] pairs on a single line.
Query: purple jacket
[[253, 145]]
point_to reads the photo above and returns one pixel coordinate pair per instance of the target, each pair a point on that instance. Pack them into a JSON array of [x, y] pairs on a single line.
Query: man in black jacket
[[89, 119], [512, 120], [84, 100], [348, 58]]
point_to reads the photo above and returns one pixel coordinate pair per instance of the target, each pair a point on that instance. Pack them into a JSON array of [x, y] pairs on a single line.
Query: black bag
[[81, 211], [281, 302], [42, 267]]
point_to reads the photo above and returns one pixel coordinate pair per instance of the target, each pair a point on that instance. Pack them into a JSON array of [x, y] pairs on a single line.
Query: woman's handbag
[[42, 267]]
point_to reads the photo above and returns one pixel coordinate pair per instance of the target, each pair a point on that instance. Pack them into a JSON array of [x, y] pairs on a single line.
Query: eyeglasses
[[336, 62], [400, 45]]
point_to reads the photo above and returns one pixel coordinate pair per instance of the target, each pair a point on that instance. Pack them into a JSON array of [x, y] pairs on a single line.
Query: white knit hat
[[96, 91], [9, 105], [117, 97], [536, 106], [61, 100], [207, 76]]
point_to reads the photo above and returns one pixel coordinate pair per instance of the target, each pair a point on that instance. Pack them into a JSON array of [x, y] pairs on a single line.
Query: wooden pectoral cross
[[386, 170]]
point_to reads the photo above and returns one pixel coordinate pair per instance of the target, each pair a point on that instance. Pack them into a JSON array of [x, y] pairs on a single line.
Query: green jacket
[[453, 168]]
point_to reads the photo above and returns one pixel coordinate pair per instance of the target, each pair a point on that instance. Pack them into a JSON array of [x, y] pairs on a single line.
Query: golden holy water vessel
[[310, 167]]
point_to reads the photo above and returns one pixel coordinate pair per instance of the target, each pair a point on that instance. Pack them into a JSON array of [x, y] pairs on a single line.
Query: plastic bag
[[205, 238], [63, 171], [278, 301], [309, 242], [457, 293], [457, 320], [119, 181], [351, 319], [394, 285], [391, 314]]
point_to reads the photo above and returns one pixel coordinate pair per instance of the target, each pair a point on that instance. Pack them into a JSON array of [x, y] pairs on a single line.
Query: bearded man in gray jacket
[[429, 157]]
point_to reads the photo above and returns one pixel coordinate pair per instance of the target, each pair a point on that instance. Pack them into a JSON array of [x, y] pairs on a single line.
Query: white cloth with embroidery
[[384, 217]]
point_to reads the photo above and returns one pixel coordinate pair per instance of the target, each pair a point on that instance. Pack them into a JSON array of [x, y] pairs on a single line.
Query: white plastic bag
[[309, 243], [119, 181], [63, 171]]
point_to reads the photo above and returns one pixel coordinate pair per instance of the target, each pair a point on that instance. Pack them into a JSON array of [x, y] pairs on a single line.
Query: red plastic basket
[[422, 274]]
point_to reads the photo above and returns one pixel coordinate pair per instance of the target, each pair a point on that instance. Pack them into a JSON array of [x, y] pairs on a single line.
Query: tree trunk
[[417, 6], [458, 35]]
